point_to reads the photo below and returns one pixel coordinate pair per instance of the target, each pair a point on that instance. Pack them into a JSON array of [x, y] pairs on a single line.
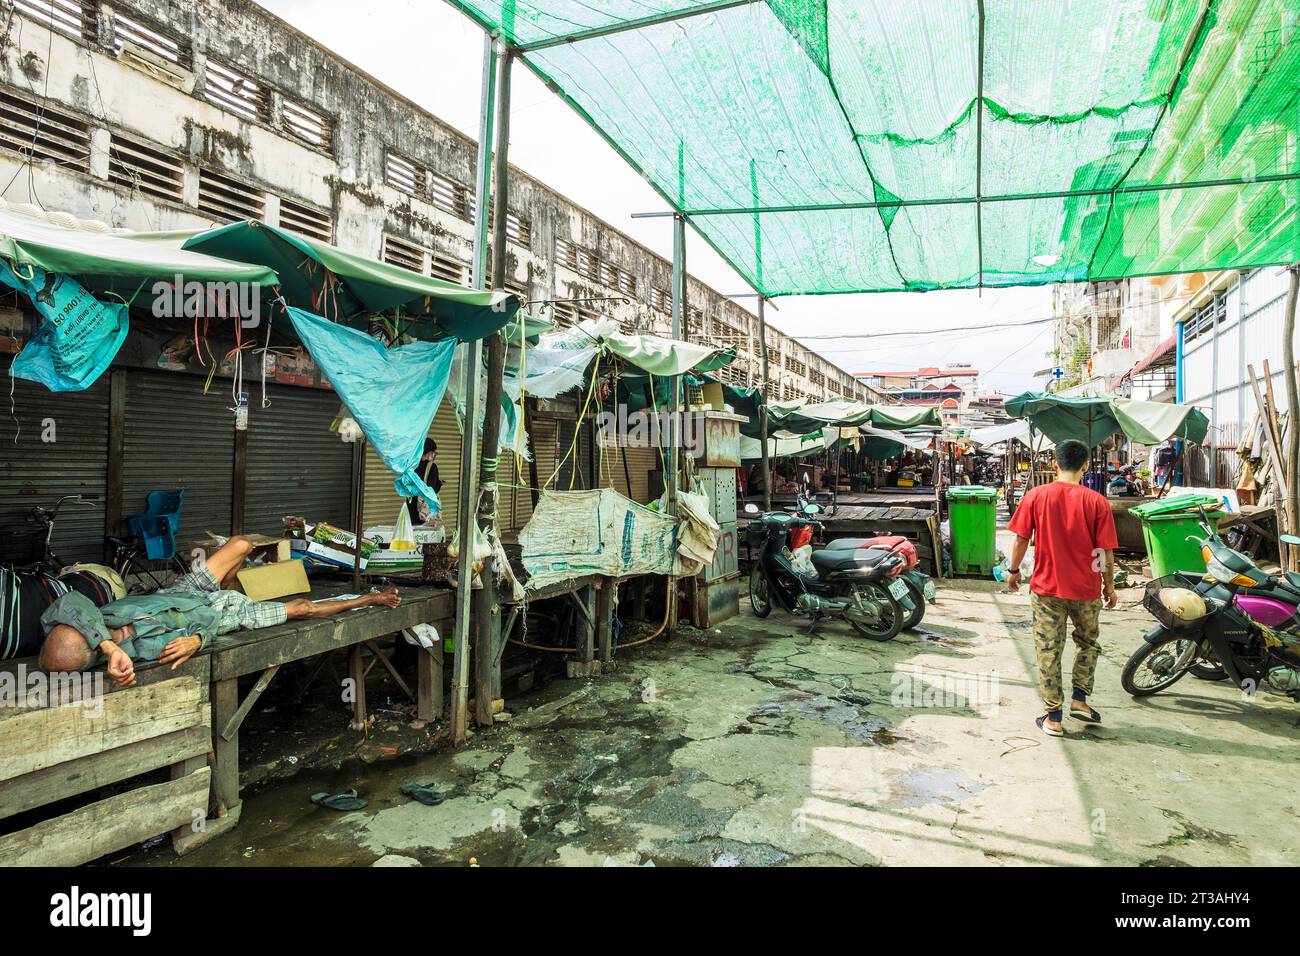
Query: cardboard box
[[339, 557], [267, 582]]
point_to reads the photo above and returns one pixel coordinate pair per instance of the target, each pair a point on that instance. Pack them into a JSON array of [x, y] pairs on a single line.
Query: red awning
[[1158, 357]]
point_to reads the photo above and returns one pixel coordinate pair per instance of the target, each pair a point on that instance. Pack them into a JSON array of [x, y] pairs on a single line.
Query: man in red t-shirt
[[1073, 532]]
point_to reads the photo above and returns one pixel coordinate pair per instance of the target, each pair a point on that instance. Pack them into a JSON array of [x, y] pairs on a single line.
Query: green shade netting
[[340, 285], [1101, 138]]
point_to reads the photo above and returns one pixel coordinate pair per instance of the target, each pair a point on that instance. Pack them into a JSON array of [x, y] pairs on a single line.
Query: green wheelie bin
[[1171, 528], [973, 522]]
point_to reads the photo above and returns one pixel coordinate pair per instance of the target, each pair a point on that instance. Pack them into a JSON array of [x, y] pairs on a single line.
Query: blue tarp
[[393, 393], [79, 337]]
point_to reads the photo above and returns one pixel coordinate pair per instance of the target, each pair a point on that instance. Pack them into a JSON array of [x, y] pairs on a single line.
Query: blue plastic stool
[[158, 525]]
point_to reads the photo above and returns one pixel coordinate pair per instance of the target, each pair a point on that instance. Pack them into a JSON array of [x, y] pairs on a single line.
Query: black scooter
[[852, 584], [1223, 639]]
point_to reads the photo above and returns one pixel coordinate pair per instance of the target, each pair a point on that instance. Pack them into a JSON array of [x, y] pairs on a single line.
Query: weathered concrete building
[[155, 114]]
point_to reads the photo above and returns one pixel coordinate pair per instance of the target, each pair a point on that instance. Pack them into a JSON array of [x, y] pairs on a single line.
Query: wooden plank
[[99, 770], [39, 737], [255, 651], [231, 727], [109, 825]]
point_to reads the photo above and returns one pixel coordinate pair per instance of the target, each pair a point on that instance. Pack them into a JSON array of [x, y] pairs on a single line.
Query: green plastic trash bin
[[1171, 528], [973, 522]]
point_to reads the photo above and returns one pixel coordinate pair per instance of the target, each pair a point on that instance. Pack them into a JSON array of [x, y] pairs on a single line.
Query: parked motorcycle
[[1237, 621], [849, 583], [920, 588], [1127, 483]]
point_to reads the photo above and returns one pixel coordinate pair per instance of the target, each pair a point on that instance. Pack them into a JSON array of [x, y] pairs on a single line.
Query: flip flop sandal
[[1041, 722], [343, 802], [423, 792], [1091, 717]]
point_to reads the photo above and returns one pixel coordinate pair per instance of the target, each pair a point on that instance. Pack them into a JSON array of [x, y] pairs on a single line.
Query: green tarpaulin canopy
[[876, 145], [108, 261], [360, 288], [1154, 422], [801, 416], [1092, 420], [1088, 420]]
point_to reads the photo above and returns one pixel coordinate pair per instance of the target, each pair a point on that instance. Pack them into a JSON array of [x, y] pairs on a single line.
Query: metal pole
[[471, 360], [1214, 393], [487, 609], [762, 408], [674, 397], [359, 495]]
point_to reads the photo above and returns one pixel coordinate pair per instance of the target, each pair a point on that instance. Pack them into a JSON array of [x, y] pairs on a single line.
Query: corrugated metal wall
[[296, 465], [382, 501], [177, 437], [34, 471]]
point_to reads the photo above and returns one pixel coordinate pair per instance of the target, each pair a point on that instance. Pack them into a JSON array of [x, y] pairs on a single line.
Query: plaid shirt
[[194, 604]]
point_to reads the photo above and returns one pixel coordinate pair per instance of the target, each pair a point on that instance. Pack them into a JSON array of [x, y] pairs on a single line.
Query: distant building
[[952, 389]]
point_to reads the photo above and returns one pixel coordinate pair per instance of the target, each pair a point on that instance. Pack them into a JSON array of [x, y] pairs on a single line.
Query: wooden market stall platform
[[184, 723]]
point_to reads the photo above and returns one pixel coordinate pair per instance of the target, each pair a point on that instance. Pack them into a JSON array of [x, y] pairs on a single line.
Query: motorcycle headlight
[[1225, 575]]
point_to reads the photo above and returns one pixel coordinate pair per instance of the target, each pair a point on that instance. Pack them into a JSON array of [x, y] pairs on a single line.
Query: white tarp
[[1018, 430], [575, 533]]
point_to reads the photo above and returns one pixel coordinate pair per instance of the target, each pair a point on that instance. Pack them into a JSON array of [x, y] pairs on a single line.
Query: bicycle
[[126, 555]]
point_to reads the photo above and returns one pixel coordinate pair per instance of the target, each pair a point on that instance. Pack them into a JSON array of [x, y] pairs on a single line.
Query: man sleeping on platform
[[174, 623]]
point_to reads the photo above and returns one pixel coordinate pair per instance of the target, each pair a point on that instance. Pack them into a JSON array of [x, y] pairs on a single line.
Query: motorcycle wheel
[[1151, 668], [891, 614], [759, 599], [913, 620], [1208, 669]]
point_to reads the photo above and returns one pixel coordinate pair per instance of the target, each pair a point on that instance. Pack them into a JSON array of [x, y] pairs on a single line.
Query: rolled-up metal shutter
[[177, 437], [61, 449], [296, 465]]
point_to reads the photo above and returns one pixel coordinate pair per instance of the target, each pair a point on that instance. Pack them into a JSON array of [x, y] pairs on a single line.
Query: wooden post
[[113, 487], [359, 503], [1293, 422], [429, 667], [225, 763], [357, 675], [606, 608]]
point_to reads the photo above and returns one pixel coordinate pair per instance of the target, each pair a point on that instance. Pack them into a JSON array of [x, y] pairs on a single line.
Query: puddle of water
[[927, 785], [842, 711]]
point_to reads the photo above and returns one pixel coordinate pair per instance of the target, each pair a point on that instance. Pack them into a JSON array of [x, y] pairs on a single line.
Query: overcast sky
[[432, 54]]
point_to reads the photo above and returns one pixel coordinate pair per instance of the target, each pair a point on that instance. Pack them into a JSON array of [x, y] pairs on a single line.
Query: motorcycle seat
[[844, 559], [849, 544]]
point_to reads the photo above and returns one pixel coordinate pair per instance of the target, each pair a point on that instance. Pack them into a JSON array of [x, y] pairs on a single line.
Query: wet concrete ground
[[763, 745]]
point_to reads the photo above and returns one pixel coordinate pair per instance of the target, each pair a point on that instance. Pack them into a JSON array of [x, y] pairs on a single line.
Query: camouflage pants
[[1050, 617]]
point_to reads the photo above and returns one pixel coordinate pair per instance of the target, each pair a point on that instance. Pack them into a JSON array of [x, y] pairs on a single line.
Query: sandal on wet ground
[[343, 802], [423, 792]]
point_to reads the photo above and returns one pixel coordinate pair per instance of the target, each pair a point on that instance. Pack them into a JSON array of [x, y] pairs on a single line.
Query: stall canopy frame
[[837, 146]]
